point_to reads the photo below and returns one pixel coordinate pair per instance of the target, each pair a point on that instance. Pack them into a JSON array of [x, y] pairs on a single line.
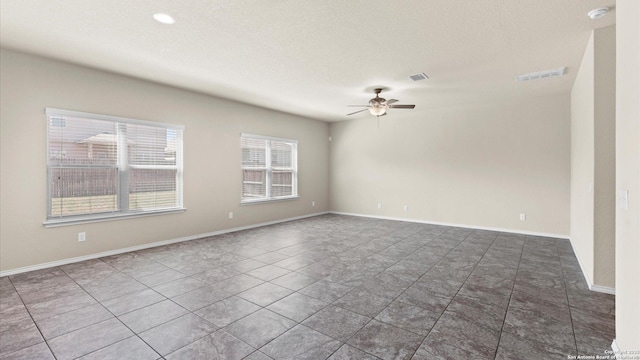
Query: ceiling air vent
[[418, 77], [540, 74]]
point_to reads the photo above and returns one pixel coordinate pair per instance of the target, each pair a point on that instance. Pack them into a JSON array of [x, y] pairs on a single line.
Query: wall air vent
[[541, 74], [418, 77]]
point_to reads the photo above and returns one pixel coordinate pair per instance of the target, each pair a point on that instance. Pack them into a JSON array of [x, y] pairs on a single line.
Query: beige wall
[[628, 174], [582, 161], [593, 159], [473, 164], [605, 157], [211, 159]]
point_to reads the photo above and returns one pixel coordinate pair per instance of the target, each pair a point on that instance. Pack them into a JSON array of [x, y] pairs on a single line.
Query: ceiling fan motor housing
[[378, 106]]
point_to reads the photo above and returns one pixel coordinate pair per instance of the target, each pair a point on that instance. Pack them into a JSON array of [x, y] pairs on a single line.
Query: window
[[103, 167], [269, 168]]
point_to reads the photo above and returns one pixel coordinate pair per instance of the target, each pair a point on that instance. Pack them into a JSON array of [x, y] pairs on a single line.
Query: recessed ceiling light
[[598, 13], [164, 18], [541, 74]]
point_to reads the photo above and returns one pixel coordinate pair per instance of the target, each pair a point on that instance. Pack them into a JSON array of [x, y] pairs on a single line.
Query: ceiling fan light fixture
[[377, 110], [378, 106]]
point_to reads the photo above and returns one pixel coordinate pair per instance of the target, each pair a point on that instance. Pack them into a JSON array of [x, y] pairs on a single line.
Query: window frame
[[269, 170], [123, 165]]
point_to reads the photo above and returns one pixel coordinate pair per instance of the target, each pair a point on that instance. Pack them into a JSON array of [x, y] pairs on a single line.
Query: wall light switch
[[623, 198], [405, 208], [231, 215], [523, 217], [379, 205], [313, 203], [82, 236]]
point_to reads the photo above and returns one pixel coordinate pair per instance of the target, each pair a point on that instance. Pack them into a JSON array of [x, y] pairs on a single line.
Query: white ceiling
[[312, 58]]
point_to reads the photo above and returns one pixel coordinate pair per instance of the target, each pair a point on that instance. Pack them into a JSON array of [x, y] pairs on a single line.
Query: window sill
[[100, 218], [262, 201]]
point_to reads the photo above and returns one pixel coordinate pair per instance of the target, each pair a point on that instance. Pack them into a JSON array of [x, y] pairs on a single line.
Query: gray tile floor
[[331, 286]]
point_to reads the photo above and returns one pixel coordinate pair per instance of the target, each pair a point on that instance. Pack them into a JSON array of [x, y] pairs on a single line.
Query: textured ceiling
[[312, 58]]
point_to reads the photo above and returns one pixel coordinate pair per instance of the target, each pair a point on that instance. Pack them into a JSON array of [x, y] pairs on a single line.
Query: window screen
[[269, 168], [100, 166]]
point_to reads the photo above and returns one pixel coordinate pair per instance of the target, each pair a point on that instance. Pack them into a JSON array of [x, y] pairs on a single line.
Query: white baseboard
[[513, 231], [582, 268], [615, 348], [590, 284], [149, 245], [592, 287], [602, 289], [598, 288]]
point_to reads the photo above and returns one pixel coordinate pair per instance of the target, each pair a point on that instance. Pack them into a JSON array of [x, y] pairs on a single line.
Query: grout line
[[331, 303], [415, 281], [566, 293], [131, 277], [166, 298], [114, 316], [182, 240], [32, 320], [328, 304], [524, 242], [424, 337], [317, 241], [456, 294]]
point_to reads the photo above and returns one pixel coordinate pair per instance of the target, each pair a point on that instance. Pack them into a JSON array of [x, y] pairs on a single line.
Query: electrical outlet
[[313, 203], [523, 217], [405, 208], [82, 236], [379, 205], [230, 215]]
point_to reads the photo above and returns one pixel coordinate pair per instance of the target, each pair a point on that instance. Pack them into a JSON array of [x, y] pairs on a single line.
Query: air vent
[[418, 77], [541, 74]]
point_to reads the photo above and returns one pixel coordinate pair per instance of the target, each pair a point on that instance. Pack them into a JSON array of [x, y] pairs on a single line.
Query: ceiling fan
[[378, 106]]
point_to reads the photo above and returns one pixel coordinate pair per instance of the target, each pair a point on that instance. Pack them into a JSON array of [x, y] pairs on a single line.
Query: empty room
[[285, 179]]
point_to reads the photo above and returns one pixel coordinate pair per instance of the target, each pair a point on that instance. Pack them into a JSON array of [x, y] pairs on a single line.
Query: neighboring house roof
[[103, 139]]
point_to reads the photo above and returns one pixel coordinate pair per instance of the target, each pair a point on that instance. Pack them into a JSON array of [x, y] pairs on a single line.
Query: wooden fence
[[77, 182]]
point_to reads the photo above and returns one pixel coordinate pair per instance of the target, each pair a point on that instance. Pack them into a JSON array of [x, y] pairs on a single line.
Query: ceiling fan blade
[[391, 101], [402, 106], [355, 112], [359, 105]]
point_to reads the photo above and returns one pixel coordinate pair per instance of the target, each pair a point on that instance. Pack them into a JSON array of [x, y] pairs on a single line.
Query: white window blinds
[[269, 168], [101, 166]]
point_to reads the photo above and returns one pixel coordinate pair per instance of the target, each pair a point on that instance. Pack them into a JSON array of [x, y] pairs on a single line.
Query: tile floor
[[331, 286]]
